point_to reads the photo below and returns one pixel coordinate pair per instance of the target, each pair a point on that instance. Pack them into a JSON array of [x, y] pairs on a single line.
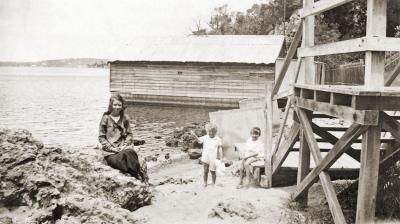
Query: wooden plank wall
[[171, 81], [347, 74]]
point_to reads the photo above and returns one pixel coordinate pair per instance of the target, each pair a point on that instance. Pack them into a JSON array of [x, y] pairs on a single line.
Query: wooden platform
[[352, 103]]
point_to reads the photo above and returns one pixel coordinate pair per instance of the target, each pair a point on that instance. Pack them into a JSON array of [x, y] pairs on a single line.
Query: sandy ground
[[180, 198]]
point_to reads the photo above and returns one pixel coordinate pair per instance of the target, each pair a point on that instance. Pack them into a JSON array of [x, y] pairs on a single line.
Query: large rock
[[183, 138], [64, 185]]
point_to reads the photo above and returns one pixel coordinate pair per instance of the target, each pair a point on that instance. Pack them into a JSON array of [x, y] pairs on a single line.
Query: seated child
[[212, 150], [253, 151]]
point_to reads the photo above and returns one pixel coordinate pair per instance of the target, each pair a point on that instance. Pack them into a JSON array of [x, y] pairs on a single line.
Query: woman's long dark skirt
[[127, 161]]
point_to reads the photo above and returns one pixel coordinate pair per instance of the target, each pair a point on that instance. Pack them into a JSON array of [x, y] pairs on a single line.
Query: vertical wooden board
[[374, 70], [269, 129], [376, 27], [376, 18], [308, 41], [304, 168], [368, 180]]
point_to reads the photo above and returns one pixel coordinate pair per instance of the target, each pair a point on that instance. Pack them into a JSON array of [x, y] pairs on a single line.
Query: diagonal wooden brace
[[282, 127], [279, 157], [343, 144], [325, 179], [391, 125], [333, 140]]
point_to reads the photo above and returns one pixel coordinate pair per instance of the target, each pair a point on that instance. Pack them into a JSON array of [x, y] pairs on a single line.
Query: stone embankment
[[41, 184]]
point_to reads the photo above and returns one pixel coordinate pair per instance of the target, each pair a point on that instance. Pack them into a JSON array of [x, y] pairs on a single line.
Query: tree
[[198, 30], [220, 22], [351, 18]]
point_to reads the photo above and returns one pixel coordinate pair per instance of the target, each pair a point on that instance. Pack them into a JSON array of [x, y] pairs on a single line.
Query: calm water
[[63, 106]]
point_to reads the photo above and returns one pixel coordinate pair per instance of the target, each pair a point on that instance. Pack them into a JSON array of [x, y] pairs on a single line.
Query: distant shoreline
[[68, 62], [27, 66]]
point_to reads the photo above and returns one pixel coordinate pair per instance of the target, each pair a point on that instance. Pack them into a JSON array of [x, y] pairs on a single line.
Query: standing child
[[254, 151], [212, 150]]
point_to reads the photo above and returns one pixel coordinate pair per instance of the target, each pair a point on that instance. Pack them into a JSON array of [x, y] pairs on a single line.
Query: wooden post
[[369, 170], [309, 78], [304, 165], [375, 60], [268, 134], [308, 41]]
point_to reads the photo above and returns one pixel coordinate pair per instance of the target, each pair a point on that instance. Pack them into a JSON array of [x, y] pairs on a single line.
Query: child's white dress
[[210, 150], [254, 147]]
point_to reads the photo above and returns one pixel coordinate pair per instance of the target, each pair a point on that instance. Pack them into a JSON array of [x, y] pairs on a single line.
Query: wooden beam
[[346, 46], [353, 45], [279, 157], [383, 43], [288, 59], [326, 183], [282, 127], [393, 75], [368, 180], [383, 140], [321, 132], [322, 6], [338, 149], [364, 117]]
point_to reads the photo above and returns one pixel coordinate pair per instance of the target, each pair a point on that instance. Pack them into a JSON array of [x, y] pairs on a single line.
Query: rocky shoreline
[[42, 184], [163, 144]]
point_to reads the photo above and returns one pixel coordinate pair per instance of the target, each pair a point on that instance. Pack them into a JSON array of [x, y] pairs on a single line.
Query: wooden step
[[322, 116], [341, 129], [385, 140]]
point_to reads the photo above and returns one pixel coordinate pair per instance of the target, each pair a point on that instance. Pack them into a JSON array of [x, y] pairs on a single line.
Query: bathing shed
[[213, 71]]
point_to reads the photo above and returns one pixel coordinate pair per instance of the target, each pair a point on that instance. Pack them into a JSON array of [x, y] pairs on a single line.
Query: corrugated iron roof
[[258, 49]]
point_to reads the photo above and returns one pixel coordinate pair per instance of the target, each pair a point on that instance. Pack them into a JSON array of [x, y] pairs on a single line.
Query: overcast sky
[[51, 29]]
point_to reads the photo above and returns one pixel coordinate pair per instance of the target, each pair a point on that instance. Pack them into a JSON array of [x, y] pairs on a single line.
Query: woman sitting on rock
[[116, 139]]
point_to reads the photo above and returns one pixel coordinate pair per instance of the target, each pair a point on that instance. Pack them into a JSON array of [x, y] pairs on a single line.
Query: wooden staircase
[[371, 135]]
